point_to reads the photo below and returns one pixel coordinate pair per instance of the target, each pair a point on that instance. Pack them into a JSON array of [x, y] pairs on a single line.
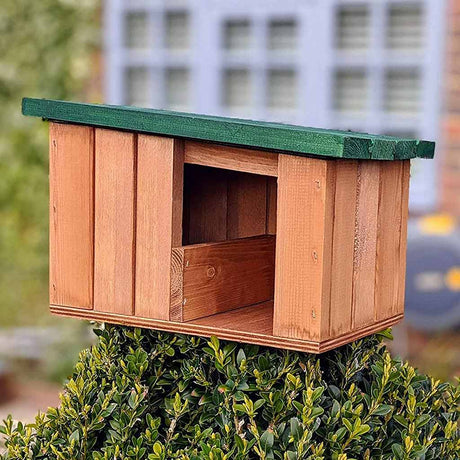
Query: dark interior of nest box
[[227, 260]]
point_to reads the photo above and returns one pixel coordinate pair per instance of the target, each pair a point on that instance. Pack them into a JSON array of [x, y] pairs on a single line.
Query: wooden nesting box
[[264, 233]]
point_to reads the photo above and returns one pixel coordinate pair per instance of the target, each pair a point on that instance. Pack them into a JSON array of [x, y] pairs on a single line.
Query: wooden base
[[252, 324]]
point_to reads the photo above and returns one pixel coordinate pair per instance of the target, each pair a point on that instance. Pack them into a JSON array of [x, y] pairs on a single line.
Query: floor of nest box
[[255, 318]]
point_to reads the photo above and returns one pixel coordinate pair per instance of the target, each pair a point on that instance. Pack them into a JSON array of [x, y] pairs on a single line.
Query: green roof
[[297, 140]]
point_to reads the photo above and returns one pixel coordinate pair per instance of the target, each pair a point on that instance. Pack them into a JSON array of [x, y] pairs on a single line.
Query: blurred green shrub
[[45, 50], [140, 394]]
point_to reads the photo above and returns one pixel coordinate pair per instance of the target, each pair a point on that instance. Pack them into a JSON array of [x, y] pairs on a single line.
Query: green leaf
[[267, 440]]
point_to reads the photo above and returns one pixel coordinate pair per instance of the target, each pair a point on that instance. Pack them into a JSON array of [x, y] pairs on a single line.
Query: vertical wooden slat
[[159, 221], [365, 243], [114, 221], [272, 188], [205, 203], [388, 263], [71, 215], [328, 247], [302, 184], [342, 247], [403, 236], [246, 205]]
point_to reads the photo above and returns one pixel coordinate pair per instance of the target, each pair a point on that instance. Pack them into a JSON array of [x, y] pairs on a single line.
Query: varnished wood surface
[[233, 158], [214, 277], [71, 215], [299, 247], [115, 154], [365, 243], [231, 333], [159, 221], [388, 258], [343, 240]]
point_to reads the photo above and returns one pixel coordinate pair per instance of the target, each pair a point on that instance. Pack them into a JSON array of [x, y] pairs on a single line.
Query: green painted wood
[[296, 140]]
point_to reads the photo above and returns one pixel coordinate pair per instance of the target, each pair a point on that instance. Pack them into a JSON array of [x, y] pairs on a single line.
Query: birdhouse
[[257, 232]]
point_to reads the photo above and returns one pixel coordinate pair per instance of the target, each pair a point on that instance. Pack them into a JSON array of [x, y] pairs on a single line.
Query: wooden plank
[[388, 262], [329, 215], [272, 199], [255, 318], [159, 221], [365, 249], [258, 134], [342, 247], [205, 205], [233, 158], [399, 307], [257, 335], [302, 184], [246, 205], [214, 277], [71, 215], [114, 221]]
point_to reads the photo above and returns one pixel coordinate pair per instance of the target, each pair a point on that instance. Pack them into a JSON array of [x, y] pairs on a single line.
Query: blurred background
[[380, 66]]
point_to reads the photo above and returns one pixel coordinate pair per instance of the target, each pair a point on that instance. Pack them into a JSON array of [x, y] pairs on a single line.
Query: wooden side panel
[[342, 247], [403, 236], [234, 158], [205, 205], [329, 209], [159, 221], [272, 191], [389, 263], [114, 221], [247, 205], [302, 184], [71, 215], [365, 243], [215, 277]]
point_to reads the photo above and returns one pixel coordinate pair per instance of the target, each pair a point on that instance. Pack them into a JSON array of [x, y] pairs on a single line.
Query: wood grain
[[246, 205], [233, 158], [226, 331], [255, 318], [214, 277], [205, 205], [388, 263], [365, 249], [296, 140], [114, 221], [159, 221], [71, 215], [342, 247], [272, 198], [403, 236], [302, 184]]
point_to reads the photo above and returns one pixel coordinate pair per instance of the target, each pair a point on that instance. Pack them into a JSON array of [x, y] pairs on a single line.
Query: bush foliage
[[141, 394]]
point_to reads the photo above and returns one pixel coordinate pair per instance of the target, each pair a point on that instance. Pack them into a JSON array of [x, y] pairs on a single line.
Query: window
[[351, 91], [237, 35], [282, 35], [137, 86], [137, 31], [177, 33], [402, 92], [178, 89], [237, 89], [353, 27], [282, 89], [405, 27]]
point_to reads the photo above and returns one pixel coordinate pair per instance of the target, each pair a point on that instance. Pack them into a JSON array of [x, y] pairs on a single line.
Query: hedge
[[141, 394]]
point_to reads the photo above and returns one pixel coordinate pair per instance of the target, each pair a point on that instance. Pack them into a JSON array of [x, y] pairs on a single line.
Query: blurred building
[[377, 66]]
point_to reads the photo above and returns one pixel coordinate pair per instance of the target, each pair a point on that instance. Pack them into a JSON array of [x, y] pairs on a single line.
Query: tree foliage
[[45, 49], [141, 394]]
